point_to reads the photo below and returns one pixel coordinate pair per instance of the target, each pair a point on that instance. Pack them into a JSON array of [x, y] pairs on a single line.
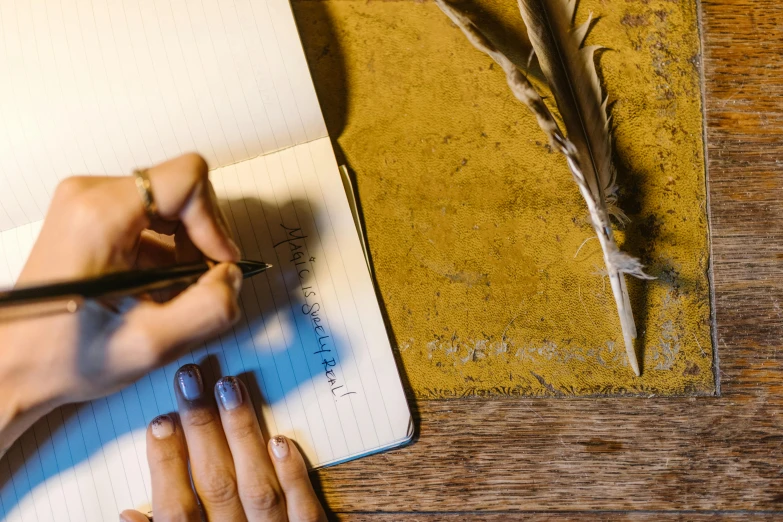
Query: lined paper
[[89, 460], [103, 87]]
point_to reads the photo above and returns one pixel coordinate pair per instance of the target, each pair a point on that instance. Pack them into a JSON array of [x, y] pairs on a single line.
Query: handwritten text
[[311, 308]]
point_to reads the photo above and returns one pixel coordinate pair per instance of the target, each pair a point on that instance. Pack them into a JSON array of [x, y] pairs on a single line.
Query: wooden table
[[636, 459]]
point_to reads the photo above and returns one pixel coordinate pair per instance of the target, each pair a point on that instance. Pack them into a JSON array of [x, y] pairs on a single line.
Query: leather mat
[[479, 239]]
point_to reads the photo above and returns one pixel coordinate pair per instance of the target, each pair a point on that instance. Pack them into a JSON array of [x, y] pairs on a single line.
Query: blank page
[[311, 347], [103, 87]]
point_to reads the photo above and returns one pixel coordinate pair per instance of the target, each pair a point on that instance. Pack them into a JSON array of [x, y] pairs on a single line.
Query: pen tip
[[250, 268]]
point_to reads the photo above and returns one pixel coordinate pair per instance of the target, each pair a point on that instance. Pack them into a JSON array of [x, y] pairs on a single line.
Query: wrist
[[24, 396]]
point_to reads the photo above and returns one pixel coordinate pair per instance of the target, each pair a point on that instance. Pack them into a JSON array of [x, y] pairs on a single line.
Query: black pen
[[117, 284]]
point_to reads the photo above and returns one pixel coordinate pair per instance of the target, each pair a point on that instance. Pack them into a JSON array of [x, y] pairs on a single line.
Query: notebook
[[101, 87]]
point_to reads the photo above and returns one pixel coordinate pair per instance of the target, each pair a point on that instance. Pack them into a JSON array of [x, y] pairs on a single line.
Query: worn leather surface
[[479, 239]]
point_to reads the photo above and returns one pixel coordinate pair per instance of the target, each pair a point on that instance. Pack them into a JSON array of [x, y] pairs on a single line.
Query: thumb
[[205, 310]]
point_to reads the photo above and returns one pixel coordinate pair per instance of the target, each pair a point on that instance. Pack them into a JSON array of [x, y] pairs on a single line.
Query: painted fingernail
[[229, 393], [279, 447], [162, 426], [189, 381], [235, 277]]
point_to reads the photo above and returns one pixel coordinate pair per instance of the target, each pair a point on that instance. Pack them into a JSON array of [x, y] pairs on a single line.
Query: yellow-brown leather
[[480, 241]]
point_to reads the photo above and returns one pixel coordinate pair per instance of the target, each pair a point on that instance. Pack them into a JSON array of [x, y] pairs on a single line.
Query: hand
[[236, 475], [97, 225]]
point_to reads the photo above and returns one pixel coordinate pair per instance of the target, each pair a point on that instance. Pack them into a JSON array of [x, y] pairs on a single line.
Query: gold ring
[[145, 191]]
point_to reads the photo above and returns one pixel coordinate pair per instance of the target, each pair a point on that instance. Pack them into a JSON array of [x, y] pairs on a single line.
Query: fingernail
[[229, 393], [162, 426], [235, 276], [189, 382], [279, 447]]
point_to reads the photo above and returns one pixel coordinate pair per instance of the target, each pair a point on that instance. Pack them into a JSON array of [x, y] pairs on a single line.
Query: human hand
[[97, 225], [236, 475]]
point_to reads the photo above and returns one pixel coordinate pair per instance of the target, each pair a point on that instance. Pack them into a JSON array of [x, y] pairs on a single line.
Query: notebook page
[[102, 87], [331, 383]]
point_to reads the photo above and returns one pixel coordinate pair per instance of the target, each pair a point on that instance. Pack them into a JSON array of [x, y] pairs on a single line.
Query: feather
[[570, 72]]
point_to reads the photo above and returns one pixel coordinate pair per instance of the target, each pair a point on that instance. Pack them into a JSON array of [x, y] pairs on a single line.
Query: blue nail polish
[[229, 393], [189, 381]]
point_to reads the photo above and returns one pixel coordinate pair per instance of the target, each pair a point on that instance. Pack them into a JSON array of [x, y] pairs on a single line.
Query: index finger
[[183, 193]]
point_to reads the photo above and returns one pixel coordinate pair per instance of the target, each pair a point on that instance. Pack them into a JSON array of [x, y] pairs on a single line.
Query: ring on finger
[[144, 186]]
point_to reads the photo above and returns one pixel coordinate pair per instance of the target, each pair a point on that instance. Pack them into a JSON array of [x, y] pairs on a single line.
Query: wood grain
[[607, 516], [531, 455], [667, 459]]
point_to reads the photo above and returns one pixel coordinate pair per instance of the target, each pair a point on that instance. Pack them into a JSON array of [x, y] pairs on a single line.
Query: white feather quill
[[570, 72]]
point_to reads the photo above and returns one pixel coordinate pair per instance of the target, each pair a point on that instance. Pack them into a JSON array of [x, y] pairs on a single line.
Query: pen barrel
[[32, 309], [109, 285], [117, 284]]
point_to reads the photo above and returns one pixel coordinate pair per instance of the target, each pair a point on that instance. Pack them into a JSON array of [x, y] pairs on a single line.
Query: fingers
[[183, 192], [201, 312], [235, 475], [172, 496], [259, 490], [303, 504], [211, 464]]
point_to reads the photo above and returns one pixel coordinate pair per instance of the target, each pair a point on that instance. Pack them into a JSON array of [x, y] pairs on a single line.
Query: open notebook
[[104, 87]]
